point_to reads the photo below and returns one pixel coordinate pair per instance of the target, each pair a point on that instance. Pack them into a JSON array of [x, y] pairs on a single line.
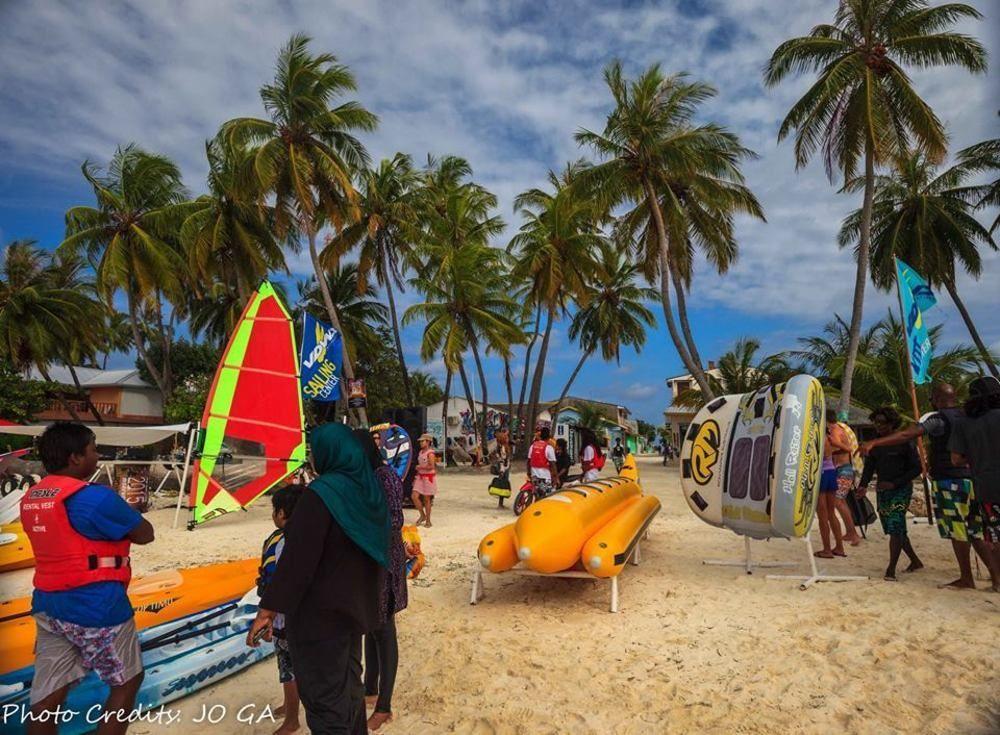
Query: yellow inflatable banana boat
[[15, 549], [600, 522], [157, 598]]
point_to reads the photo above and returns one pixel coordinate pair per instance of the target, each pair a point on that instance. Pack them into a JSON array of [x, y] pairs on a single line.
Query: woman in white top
[[591, 457]]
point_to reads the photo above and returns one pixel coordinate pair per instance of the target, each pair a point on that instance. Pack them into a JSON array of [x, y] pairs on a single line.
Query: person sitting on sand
[[81, 534], [896, 467], [425, 481], [976, 440], [329, 579], [381, 647], [837, 438], [282, 504], [826, 507], [957, 511]]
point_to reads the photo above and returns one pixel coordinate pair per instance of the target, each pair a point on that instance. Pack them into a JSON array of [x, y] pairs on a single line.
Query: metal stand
[[477, 578], [192, 437], [748, 563], [815, 577]]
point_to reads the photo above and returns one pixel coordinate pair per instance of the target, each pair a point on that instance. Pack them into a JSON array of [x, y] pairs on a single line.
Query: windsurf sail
[[252, 432]]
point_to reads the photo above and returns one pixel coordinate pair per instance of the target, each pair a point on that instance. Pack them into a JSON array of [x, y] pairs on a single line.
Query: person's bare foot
[[890, 577], [378, 719], [279, 711], [824, 554], [854, 540], [840, 552], [427, 524], [288, 727], [995, 588], [959, 584], [915, 566]]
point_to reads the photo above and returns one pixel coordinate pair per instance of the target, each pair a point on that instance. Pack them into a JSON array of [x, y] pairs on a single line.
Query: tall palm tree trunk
[[510, 393], [473, 414], [444, 417], [59, 396], [482, 379], [987, 358], [86, 396], [682, 315], [536, 381], [661, 233], [407, 389], [140, 344], [860, 281], [324, 289], [569, 383], [524, 380]]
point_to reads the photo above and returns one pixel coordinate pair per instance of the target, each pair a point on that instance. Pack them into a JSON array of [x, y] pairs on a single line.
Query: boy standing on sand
[[81, 535], [282, 503]]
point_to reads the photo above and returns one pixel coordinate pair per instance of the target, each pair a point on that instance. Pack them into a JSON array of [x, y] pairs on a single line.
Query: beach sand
[[694, 649]]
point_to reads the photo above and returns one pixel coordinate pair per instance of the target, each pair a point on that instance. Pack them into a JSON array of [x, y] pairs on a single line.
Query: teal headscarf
[[347, 486]]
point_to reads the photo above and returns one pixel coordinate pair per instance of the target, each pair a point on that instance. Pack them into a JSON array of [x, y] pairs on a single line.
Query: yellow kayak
[[15, 549], [157, 598]]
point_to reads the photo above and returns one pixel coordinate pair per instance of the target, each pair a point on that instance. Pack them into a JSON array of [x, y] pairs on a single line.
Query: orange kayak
[[15, 549], [157, 598]]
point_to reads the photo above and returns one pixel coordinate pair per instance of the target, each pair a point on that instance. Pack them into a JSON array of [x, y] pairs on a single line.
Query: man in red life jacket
[[81, 534], [542, 464]]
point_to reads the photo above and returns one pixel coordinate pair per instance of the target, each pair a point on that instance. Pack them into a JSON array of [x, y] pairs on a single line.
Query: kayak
[[15, 549], [179, 658], [158, 598]]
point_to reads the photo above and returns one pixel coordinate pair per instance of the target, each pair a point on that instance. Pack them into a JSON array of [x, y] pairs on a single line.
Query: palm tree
[[305, 155], [385, 232], [116, 335], [863, 106], [614, 316], [656, 158], [466, 307], [984, 158], [925, 218], [229, 236], [131, 234], [42, 317], [741, 372], [554, 252]]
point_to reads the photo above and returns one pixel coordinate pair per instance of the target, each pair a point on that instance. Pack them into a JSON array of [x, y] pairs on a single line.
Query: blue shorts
[[828, 481]]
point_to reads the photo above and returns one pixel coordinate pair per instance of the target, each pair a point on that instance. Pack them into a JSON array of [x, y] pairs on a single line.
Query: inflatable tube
[[498, 550], [751, 462], [630, 469], [156, 599], [550, 534], [605, 554]]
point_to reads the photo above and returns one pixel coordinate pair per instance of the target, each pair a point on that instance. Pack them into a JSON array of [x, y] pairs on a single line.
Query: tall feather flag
[[915, 297]]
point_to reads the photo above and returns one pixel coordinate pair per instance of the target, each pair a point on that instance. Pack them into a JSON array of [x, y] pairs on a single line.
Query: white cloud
[[642, 391]]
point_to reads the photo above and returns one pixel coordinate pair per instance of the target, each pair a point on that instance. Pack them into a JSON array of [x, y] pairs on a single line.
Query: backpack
[[599, 459]]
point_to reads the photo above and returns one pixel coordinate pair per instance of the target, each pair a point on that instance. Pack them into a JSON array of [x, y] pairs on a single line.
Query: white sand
[[694, 648]]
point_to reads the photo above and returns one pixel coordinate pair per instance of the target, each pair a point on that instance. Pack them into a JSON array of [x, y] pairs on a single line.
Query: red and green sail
[[253, 434]]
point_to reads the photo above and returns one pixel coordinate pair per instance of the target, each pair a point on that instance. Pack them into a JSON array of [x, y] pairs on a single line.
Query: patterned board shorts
[[990, 513], [892, 507], [65, 652], [284, 658], [845, 480], [959, 515]]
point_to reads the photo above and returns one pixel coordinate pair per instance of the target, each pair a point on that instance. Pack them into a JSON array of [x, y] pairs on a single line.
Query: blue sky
[[504, 84]]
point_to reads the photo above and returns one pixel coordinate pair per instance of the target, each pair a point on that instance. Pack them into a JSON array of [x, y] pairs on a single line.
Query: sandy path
[[694, 649]]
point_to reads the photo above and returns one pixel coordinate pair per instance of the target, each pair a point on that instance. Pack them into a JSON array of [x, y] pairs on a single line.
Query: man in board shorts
[[81, 535]]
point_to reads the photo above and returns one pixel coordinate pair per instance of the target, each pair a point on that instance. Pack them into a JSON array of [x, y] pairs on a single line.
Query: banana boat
[[597, 524], [156, 599], [15, 549]]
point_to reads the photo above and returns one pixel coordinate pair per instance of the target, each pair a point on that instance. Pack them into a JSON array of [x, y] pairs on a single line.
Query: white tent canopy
[[116, 436]]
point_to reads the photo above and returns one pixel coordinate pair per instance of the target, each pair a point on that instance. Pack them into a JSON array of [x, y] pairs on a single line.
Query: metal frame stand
[[192, 437], [816, 576], [477, 578], [748, 563]]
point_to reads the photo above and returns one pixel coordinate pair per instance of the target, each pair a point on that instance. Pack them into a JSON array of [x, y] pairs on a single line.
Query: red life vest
[[537, 458], [64, 558]]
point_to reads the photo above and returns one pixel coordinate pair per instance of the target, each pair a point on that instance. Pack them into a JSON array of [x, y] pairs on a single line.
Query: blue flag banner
[[320, 358], [915, 297]]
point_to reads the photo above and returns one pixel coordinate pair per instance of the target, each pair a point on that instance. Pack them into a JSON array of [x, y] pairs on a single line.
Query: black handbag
[[862, 511]]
